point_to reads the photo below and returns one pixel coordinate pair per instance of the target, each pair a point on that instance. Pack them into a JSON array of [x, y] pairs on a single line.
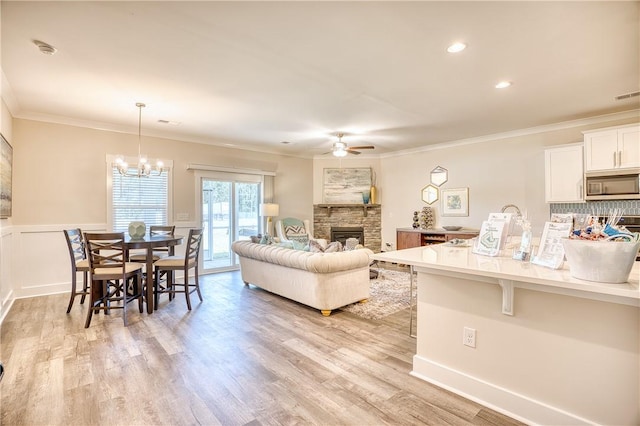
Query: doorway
[[229, 205]]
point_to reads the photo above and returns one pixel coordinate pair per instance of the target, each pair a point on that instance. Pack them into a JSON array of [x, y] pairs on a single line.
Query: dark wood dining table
[[149, 242]]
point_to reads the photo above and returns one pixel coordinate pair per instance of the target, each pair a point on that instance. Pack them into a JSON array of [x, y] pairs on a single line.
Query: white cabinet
[[612, 148], [563, 174]]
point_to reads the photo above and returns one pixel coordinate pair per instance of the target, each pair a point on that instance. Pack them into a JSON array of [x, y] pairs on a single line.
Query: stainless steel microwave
[[618, 185]]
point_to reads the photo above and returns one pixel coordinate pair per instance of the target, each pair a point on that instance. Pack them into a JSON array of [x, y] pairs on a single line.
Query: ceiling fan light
[[339, 153]]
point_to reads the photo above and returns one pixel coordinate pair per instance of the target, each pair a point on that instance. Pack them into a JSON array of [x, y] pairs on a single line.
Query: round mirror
[[429, 194], [439, 175]]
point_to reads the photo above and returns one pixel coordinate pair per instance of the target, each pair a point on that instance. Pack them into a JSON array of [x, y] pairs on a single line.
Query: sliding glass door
[[229, 208]]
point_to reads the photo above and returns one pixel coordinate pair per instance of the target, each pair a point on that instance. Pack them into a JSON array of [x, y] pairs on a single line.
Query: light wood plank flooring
[[242, 357]]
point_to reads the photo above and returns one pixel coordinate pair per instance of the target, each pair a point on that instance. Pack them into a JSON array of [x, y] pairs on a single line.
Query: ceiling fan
[[340, 149]]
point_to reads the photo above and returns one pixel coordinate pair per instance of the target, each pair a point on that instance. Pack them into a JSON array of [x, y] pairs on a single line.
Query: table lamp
[[269, 210]]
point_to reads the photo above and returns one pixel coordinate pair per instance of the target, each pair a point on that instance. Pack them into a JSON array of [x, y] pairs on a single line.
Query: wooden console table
[[409, 237]]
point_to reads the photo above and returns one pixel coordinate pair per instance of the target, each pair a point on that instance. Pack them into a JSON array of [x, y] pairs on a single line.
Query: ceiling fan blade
[[362, 147], [350, 151]]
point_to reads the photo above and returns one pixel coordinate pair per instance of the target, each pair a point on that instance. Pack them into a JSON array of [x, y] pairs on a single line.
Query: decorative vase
[[137, 229], [366, 196], [374, 194]]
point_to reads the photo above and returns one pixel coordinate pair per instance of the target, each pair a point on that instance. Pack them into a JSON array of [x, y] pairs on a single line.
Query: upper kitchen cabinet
[[612, 148], [563, 174]]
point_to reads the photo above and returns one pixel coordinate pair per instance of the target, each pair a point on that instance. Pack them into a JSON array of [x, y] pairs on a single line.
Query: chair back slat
[[193, 246], [106, 251], [75, 243], [162, 230]]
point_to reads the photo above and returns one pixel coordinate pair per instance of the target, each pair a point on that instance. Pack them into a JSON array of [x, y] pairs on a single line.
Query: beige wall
[[60, 172], [497, 172]]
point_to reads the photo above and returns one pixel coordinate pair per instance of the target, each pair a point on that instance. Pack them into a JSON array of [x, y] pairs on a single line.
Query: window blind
[[138, 199]]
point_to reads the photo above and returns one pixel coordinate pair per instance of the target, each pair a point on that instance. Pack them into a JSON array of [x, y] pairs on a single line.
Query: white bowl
[[452, 228], [601, 261]]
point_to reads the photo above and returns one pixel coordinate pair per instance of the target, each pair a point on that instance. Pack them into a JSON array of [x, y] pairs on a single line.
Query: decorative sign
[[489, 240], [551, 252], [345, 185], [507, 218]]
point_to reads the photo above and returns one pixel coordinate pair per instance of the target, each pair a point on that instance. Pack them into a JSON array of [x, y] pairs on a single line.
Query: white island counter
[[550, 349]]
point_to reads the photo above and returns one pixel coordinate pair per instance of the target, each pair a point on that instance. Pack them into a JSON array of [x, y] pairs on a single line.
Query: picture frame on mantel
[[455, 202], [345, 185], [6, 171]]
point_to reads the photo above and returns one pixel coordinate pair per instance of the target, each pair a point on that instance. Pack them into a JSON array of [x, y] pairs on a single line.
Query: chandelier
[[143, 169]]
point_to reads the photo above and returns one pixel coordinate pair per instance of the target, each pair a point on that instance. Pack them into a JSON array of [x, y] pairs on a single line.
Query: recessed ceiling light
[[503, 85], [456, 47]]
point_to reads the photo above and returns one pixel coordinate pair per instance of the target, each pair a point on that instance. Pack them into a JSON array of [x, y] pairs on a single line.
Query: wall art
[[6, 166], [455, 202]]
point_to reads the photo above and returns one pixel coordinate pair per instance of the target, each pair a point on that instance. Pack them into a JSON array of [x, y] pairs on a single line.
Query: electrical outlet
[[469, 337]]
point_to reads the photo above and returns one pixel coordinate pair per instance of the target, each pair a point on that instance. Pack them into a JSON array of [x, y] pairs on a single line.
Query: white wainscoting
[[7, 295], [34, 260]]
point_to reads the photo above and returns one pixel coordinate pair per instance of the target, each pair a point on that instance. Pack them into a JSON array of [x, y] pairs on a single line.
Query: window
[[138, 198]]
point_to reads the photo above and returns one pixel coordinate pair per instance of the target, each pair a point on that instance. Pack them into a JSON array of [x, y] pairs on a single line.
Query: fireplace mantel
[[364, 207]]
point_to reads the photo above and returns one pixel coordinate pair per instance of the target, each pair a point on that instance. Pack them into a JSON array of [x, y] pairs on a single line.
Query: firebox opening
[[342, 233]]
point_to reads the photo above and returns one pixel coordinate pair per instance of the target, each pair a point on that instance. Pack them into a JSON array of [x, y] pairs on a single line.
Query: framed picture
[[6, 164], [346, 186], [455, 202]]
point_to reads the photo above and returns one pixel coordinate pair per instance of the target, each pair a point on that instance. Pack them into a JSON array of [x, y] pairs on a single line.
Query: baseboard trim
[[509, 403]]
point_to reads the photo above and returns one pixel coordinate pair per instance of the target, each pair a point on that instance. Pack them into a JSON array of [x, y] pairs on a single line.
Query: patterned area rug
[[389, 294]]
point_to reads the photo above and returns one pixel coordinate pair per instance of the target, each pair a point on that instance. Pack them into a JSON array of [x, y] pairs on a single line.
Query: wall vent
[[627, 96]]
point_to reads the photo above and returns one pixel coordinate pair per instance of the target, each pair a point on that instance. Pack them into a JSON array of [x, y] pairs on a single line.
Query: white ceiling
[[254, 74]]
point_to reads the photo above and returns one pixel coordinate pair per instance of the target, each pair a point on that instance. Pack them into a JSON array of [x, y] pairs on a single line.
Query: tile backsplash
[[628, 207]]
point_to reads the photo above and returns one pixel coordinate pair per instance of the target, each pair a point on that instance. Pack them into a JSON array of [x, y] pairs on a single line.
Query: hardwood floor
[[241, 357]]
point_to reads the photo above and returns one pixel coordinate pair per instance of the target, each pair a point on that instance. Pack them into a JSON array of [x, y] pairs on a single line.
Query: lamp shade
[[269, 210]]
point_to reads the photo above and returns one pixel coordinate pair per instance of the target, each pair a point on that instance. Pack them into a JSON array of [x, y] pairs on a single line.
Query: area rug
[[389, 293]]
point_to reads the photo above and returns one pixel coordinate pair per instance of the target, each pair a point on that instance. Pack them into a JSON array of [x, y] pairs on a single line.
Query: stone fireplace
[[368, 217]]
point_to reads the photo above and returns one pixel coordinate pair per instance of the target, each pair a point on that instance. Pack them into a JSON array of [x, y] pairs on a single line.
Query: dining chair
[[159, 252], [170, 264], [79, 263], [113, 279]]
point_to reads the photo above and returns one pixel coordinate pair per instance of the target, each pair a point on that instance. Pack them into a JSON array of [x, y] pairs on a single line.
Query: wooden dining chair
[[113, 279], [159, 252], [79, 263], [170, 264]]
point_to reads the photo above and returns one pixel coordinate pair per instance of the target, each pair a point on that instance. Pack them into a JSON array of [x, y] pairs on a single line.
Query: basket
[[602, 261]]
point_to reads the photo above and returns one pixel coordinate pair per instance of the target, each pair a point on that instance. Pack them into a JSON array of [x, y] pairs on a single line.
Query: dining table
[[149, 242]]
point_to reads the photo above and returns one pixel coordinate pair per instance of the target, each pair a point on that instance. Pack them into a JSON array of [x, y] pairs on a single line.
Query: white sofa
[[324, 281]]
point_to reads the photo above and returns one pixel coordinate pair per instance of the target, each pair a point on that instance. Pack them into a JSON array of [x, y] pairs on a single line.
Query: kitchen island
[[549, 348]]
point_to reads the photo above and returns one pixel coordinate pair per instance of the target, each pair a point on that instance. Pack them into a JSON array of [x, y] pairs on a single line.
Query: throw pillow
[[316, 247], [296, 233], [256, 238], [266, 239], [333, 247]]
